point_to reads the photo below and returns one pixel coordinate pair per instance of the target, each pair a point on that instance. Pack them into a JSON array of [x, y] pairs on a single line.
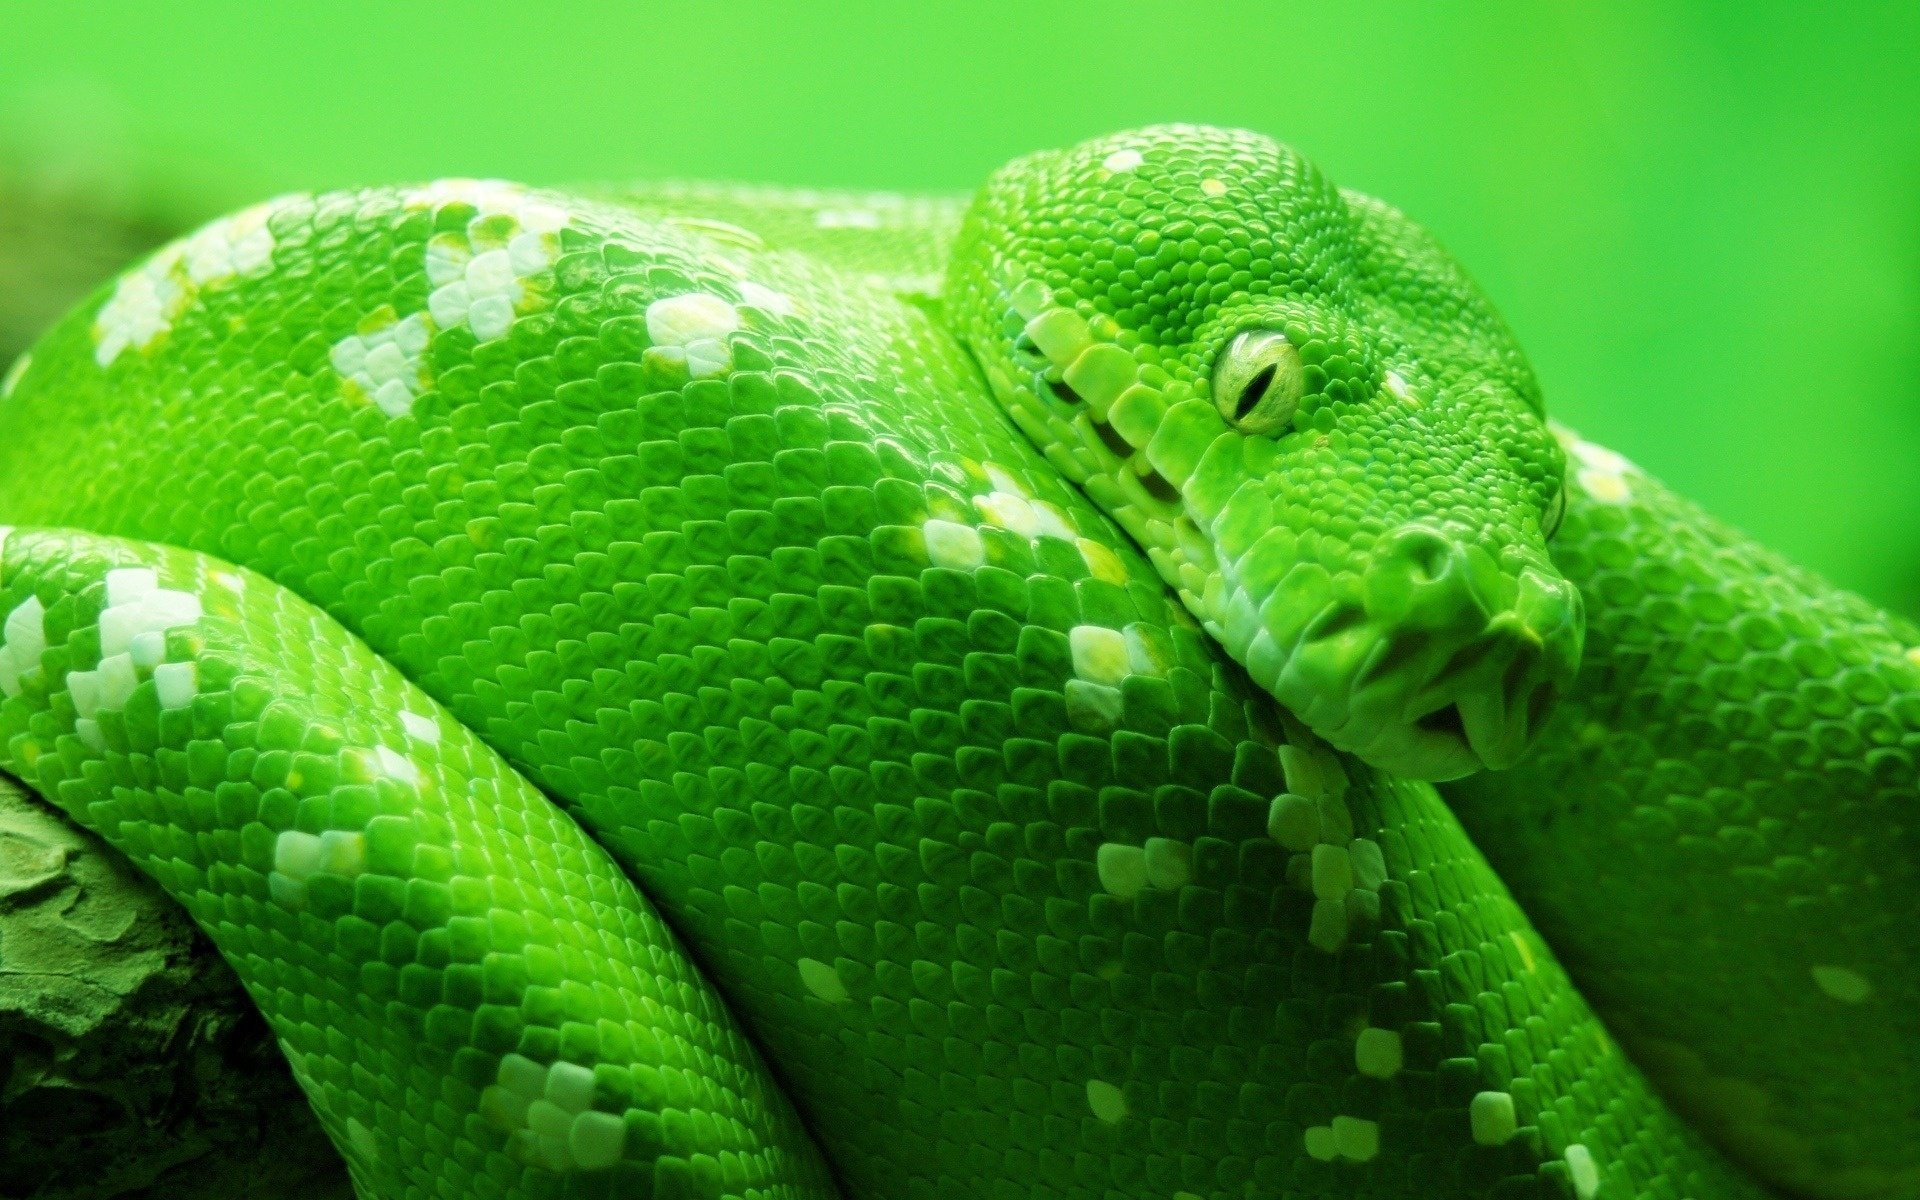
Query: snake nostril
[[1423, 552]]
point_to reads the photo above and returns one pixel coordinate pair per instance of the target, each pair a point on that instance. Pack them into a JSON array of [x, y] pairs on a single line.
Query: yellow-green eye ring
[[1257, 382]]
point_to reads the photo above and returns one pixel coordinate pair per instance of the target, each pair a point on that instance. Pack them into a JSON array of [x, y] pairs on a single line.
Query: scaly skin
[[1735, 772], [692, 517]]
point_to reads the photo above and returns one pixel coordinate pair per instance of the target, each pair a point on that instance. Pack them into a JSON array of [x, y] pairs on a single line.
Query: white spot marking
[[1213, 187], [149, 298], [1843, 984], [1369, 864], [823, 981], [1586, 1175], [176, 683], [1294, 822], [25, 635], [157, 610], [1004, 481], [1357, 1139], [596, 1140], [1122, 869], [695, 325], [1491, 1116], [1107, 1101], [1320, 1143], [1122, 160], [1099, 654], [387, 364], [1602, 474], [396, 765], [491, 198], [1010, 512], [298, 857], [1377, 1053], [570, 1086], [950, 544], [424, 729], [546, 1110], [1169, 863]]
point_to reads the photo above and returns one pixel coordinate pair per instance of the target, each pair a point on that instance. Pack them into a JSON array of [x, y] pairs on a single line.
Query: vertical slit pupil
[[1256, 388]]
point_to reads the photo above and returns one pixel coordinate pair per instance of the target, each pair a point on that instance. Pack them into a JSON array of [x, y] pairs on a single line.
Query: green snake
[[694, 691]]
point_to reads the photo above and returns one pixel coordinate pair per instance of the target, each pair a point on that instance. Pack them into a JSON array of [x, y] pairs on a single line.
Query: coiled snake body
[[697, 692]]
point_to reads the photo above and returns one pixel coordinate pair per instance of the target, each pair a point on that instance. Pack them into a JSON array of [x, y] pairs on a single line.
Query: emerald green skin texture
[[647, 710]]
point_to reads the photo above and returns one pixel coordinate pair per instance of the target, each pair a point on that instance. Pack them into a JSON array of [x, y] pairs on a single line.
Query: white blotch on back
[[25, 641], [298, 857], [1126, 870], [1212, 187], [952, 545], [693, 328], [387, 363], [1122, 160], [149, 298], [480, 279], [491, 197], [546, 1111], [132, 644]]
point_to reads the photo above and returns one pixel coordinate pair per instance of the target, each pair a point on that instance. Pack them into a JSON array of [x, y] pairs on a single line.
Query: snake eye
[[1556, 512], [1257, 382]]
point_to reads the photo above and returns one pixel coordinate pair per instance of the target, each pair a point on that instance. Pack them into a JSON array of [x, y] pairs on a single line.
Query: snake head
[[1319, 430]]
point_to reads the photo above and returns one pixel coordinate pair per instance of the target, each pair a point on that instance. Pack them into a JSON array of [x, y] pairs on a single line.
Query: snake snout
[[1448, 665]]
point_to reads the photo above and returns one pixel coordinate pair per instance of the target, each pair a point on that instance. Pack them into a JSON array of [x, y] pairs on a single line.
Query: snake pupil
[[1256, 388]]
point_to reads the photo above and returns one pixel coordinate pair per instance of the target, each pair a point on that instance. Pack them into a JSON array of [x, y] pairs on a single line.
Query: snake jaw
[[1431, 658], [1435, 685]]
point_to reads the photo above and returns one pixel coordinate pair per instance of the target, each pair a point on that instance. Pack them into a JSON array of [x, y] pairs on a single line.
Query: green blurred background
[[1703, 219]]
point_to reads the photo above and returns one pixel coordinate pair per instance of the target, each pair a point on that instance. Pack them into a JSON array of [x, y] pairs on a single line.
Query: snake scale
[[692, 691]]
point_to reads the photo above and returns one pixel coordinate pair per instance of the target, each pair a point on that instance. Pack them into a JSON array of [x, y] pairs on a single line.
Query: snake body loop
[[701, 692]]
